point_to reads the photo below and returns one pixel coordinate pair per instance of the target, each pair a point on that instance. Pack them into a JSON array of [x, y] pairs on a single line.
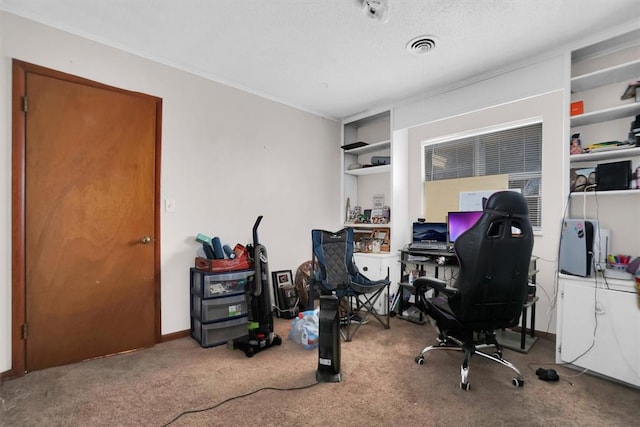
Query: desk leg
[[532, 332], [523, 331]]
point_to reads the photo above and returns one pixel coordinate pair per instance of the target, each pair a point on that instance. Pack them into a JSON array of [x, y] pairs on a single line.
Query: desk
[[422, 258]]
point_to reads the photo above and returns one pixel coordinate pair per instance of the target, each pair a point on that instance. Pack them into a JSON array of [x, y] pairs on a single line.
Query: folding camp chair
[[335, 272]]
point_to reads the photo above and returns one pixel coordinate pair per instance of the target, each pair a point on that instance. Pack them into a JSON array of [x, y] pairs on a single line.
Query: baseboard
[[175, 335], [6, 375]]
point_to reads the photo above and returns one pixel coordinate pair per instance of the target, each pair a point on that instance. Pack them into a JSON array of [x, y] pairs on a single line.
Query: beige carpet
[[382, 386]]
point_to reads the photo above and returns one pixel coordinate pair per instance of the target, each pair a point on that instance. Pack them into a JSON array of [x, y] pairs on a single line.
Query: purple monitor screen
[[459, 222]]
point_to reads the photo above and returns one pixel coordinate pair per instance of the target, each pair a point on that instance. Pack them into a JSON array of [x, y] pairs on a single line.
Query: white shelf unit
[[360, 184], [605, 155], [591, 159], [609, 346], [606, 114], [626, 71], [364, 154]]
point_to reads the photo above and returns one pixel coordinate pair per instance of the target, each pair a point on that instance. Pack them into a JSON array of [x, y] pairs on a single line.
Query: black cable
[[195, 411]]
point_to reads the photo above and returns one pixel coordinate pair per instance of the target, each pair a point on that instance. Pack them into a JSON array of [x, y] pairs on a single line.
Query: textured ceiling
[[326, 56]]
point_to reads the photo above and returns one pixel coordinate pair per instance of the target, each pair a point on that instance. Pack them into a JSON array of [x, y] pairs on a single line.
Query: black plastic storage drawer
[[215, 309], [217, 333], [212, 285]]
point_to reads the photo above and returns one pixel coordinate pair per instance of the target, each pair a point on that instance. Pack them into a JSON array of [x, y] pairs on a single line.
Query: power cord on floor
[[195, 411]]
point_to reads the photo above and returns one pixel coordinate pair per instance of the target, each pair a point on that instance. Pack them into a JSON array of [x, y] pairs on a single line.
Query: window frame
[[534, 200]]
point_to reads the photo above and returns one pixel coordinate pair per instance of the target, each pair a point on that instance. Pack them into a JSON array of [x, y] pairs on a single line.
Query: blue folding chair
[[335, 272]]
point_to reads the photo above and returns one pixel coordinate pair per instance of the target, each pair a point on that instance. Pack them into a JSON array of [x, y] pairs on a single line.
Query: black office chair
[[491, 287], [335, 272]]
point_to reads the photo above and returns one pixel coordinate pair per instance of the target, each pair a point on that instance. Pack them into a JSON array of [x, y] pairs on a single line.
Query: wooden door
[[90, 215]]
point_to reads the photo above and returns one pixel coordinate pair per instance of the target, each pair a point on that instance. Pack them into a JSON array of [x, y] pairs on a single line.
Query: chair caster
[[277, 340], [419, 360], [465, 386], [517, 382]]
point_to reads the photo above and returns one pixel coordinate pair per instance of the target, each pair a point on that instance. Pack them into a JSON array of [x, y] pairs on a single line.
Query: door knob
[[145, 240]]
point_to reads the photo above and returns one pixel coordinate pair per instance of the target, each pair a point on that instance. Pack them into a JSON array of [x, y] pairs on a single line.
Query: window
[[516, 151]]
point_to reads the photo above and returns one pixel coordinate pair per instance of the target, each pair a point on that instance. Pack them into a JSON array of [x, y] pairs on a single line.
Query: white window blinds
[[516, 152]]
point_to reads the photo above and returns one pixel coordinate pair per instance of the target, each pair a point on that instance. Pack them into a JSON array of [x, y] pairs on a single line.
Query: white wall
[[5, 207], [532, 91], [538, 89], [227, 157], [549, 107]]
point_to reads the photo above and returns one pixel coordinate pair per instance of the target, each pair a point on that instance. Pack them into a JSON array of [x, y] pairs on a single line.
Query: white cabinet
[[599, 327], [376, 267], [599, 320]]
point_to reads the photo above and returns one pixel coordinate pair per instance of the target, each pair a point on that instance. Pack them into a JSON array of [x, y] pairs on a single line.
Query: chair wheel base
[[517, 382], [465, 386], [419, 360]]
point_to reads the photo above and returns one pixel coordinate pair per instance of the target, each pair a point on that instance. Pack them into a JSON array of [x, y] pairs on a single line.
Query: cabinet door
[[375, 268], [601, 331], [369, 266]]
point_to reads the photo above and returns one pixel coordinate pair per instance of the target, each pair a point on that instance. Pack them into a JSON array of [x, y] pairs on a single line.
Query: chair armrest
[[424, 283], [361, 279]]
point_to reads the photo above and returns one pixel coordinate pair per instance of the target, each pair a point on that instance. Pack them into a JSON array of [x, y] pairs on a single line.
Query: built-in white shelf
[[619, 153], [628, 71], [371, 170], [607, 114], [370, 148], [577, 194], [365, 226]]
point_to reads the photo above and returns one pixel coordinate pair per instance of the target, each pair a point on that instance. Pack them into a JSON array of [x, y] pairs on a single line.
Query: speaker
[[613, 176], [329, 341]]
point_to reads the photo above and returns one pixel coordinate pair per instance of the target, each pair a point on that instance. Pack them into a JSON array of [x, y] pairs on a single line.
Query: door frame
[[18, 225]]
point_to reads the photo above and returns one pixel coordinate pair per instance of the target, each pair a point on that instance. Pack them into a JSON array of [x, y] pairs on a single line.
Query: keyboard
[[429, 247]]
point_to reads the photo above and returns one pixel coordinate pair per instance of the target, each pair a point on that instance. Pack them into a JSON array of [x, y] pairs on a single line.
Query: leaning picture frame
[[283, 278], [285, 296]]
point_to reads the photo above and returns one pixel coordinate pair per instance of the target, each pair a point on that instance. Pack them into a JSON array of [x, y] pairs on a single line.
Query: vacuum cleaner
[[261, 334]]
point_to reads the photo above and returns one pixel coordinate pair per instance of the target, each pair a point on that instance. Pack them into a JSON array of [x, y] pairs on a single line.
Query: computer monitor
[[459, 222], [429, 232]]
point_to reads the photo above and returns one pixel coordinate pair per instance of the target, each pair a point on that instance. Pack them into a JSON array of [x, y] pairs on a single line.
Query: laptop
[[429, 236]]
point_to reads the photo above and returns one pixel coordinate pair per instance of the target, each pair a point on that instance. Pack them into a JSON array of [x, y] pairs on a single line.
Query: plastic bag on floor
[[304, 329]]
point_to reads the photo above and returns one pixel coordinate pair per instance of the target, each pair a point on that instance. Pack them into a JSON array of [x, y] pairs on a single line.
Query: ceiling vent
[[421, 45]]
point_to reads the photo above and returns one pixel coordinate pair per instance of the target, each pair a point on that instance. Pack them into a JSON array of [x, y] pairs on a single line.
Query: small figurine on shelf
[[576, 144], [354, 214]]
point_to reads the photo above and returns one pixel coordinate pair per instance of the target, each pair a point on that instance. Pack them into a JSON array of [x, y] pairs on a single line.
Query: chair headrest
[[509, 202]]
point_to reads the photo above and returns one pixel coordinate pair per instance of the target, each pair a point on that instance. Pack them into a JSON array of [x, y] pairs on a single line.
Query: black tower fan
[[329, 341]]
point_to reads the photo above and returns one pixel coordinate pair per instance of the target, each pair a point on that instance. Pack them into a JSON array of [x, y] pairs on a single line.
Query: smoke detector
[[377, 9], [421, 45]]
